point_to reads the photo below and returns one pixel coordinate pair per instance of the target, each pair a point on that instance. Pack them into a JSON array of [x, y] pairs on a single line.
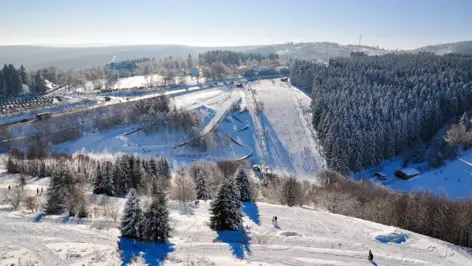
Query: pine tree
[[226, 208], [201, 187], [244, 186], [108, 185], [126, 174], [23, 75], [55, 203], [2, 87], [137, 172], [465, 121], [153, 167], [14, 81], [98, 183], [156, 220], [40, 83], [163, 170], [131, 223]]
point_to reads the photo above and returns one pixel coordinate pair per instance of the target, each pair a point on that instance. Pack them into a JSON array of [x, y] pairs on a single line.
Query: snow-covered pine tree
[[108, 185], [153, 167], [201, 187], [465, 121], [55, 202], [156, 219], [137, 172], [98, 183], [126, 174], [244, 186], [226, 208], [23, 75], [131, 223], [163, 170]]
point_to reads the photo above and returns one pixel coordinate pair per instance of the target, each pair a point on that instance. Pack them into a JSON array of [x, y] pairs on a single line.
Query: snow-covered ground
[[136, 82], [302, 237], [285, 128], [454, 179]]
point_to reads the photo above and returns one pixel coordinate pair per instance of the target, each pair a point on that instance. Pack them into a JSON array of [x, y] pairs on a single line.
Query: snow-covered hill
[[452, 179], [303, 236]]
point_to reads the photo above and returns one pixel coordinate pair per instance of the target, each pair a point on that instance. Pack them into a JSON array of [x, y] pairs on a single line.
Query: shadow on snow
[[39, 217], [153, 253], [252, 211], [237, 240]]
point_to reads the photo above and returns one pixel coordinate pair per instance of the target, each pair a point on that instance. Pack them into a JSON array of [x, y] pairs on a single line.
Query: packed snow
[[285, 129], [301, 236]]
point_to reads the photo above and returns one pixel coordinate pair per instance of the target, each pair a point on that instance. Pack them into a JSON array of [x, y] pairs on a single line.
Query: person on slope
[[371, 256]]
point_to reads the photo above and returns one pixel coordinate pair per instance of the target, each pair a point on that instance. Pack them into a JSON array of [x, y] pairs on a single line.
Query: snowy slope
[[303, 237], [285, 123], [454, 178]]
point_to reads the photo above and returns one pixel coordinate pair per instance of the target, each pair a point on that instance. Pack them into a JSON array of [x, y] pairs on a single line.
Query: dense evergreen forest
[[370, 108], [234, 58]]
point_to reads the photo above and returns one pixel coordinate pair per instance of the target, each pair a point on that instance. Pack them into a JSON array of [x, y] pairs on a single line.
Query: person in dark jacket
[[371, 256]]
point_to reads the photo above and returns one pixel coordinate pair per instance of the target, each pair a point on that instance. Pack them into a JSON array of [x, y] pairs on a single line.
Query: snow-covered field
[[303, 236]]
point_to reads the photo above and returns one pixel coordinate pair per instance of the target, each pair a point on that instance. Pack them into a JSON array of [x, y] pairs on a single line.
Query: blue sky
[[391, 24]]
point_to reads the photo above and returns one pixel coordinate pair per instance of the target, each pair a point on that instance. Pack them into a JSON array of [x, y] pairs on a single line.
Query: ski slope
[[284, 128], [302, 236]]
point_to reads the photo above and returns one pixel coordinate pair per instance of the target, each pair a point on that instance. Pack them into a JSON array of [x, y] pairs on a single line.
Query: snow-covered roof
[[380, 173], [410, 171]]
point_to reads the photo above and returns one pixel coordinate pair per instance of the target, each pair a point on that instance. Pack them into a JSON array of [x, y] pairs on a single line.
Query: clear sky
[[388, 23]]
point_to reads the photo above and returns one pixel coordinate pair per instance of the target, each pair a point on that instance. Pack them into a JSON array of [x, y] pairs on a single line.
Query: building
[[406, 173]]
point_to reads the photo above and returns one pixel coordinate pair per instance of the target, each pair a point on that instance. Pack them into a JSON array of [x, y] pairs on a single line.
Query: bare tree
[[15, 196], [32, 203], [184, 188]]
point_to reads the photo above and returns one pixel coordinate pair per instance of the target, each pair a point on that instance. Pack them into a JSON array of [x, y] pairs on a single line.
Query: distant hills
[[33, 57], [440, 49]]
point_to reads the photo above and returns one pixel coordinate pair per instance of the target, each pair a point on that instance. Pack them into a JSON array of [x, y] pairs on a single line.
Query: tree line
[[370, 108], [235, 58]]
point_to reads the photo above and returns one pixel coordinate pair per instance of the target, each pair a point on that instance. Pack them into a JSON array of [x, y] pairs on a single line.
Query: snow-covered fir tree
[[156, 220], [226, 209], [152, 167], [201, 186], [163, 168], [126, 174], [244, 185], [131, 222], [108, 184], [55, 197], [465, 121], [98, 183]]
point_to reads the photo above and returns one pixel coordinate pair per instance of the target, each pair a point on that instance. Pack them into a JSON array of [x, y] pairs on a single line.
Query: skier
[[9, 187], [37, 191], [275, 219], [371, 256]]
